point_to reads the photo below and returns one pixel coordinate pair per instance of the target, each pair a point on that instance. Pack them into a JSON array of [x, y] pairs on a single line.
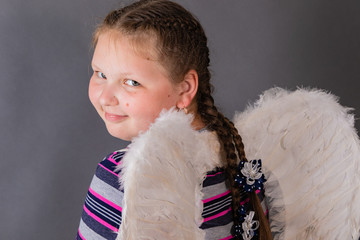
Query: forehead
[[117, 52], [141, 44]]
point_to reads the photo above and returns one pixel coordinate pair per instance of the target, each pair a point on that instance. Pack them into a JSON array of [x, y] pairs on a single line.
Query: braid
[[217, 122], [234, 149]]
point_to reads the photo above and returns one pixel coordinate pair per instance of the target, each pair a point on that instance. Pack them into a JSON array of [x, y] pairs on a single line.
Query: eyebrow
[[125, 74], [94, 66]]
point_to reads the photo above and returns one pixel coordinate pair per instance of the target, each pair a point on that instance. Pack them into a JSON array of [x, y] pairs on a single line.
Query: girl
[[185, 174], [151, 85]]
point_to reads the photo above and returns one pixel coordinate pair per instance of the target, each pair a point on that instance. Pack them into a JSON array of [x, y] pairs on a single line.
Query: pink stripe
[[215, 197], [105, 200], [217, 215], [81, 236], [247, 199], [211, 175], [111, 158], [227, 238], [108, 170], [100, 220]]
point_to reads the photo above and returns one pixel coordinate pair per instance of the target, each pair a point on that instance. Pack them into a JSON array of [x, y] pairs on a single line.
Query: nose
[[108, 97]]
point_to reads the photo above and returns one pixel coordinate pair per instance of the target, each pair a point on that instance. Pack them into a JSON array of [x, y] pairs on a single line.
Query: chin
[[119, 134]]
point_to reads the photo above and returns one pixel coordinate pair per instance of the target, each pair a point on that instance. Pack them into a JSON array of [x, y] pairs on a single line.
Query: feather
[[162, 175], [311, 153]]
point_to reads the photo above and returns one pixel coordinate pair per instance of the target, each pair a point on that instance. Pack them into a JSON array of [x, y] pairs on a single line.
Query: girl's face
[[127, 89]]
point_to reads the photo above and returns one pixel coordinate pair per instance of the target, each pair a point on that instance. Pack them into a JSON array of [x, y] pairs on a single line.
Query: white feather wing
[[311, 156], [162, 175]]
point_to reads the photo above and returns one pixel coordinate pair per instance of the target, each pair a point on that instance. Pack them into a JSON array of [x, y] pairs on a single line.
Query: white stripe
[[118, 155], [216, 208], [217, 203], [109, 212], [102, 210]]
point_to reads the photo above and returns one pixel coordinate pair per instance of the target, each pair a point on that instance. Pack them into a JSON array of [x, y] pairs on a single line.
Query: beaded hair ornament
[[250, 178]]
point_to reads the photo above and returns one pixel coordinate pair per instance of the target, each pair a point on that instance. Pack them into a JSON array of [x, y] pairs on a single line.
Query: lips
[[114, 117]]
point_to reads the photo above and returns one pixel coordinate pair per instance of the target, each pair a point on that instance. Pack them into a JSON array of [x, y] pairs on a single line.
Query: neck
[[197, 123]]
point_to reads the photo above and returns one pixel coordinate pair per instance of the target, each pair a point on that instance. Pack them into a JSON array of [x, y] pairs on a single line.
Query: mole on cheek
[[168, 95], [127, 104]]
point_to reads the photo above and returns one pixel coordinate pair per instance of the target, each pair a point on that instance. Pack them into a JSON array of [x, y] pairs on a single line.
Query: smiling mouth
[[114, 117]]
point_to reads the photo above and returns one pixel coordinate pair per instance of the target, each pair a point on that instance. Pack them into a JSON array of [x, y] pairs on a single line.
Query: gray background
[[51, 138]]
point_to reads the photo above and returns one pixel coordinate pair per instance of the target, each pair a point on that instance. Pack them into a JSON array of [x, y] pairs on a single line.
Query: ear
[[188, 89]]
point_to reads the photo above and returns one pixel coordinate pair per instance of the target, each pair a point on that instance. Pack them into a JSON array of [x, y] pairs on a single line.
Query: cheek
[[94, 92]]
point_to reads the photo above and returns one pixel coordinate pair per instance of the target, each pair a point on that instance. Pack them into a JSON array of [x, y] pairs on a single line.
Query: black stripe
[[217, 207], [96, 209], [119, 155], [98, 228], [95, 204], [107, 177], [216, 200], [220, 221], [212, 180]]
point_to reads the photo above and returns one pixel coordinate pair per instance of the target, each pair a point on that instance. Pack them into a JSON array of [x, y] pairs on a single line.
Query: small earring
[[186, 111]]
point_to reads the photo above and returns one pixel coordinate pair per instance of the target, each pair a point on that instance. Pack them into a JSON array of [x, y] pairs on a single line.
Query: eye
[[131, 82], [101, 75]]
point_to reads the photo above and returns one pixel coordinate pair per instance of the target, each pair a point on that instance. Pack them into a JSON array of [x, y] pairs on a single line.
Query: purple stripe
[[108, 170]]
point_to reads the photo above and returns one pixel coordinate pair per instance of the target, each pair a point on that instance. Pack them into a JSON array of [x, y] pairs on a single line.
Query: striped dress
[[101, 216]]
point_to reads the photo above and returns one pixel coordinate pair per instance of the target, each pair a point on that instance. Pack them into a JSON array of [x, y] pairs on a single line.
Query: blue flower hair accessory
[[250, 178], [247, 227], [250, 175]]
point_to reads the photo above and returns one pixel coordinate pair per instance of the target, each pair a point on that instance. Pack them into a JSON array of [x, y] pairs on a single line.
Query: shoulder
[[107, 170], [115, 157]]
